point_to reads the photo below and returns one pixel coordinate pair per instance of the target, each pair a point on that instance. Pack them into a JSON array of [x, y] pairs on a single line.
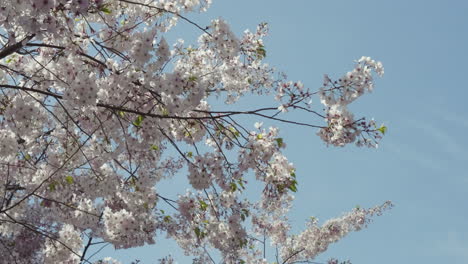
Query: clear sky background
[[421, 164]]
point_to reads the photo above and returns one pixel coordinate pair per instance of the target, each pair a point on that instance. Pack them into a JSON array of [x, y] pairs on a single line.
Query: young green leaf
[[198, 232], [233, 186], [105, 10], [293, 186], [382, 129], [69, 179], [53, 186], [154, 147], [279, 141], [203, 205], [138, 121]]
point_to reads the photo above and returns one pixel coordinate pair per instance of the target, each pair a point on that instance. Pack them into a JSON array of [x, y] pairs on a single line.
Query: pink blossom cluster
[[342, 128], [97, 109]]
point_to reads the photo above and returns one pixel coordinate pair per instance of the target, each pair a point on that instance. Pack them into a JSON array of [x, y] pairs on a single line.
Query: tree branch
[[8, 50]]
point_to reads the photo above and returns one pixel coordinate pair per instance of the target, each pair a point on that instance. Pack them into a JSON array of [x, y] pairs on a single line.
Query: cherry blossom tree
[[96, 108]]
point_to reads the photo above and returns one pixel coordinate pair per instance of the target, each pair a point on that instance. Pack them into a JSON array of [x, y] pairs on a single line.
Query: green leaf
[[154, 147], [167, 218], [279, 141], [259, 136], [105, 10], [53, 186], [280, 187], [198, 232], [233, 186], [121, 114], [69, 179], [132, 181], [234, 132], [243, 243], [244, 214], [245, 211], [190, 154], [293, 186], [10, 58], [260, 51], [192, 78], [138, 121], [27, 157], [203, 205], [382, 129], [293, 173], [190, 50]]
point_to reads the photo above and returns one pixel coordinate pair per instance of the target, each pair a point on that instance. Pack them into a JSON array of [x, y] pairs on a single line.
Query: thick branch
[[62, 48], [15, 47], [221, 114]]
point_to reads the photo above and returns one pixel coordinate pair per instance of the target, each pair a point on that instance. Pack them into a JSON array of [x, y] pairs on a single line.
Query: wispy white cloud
[[434, 144], [405, 151], [453, 117], [453, 246], [441, 138]]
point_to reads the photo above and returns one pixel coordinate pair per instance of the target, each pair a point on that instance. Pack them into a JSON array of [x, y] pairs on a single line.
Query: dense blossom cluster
[[316, 239], [8, 145], [96, 108], [342, 128]]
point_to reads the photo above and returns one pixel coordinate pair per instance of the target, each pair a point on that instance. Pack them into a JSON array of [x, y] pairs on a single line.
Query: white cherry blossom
[[97, 108]]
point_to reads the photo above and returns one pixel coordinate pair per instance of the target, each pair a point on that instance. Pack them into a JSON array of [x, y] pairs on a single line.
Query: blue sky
[[421, 164]]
